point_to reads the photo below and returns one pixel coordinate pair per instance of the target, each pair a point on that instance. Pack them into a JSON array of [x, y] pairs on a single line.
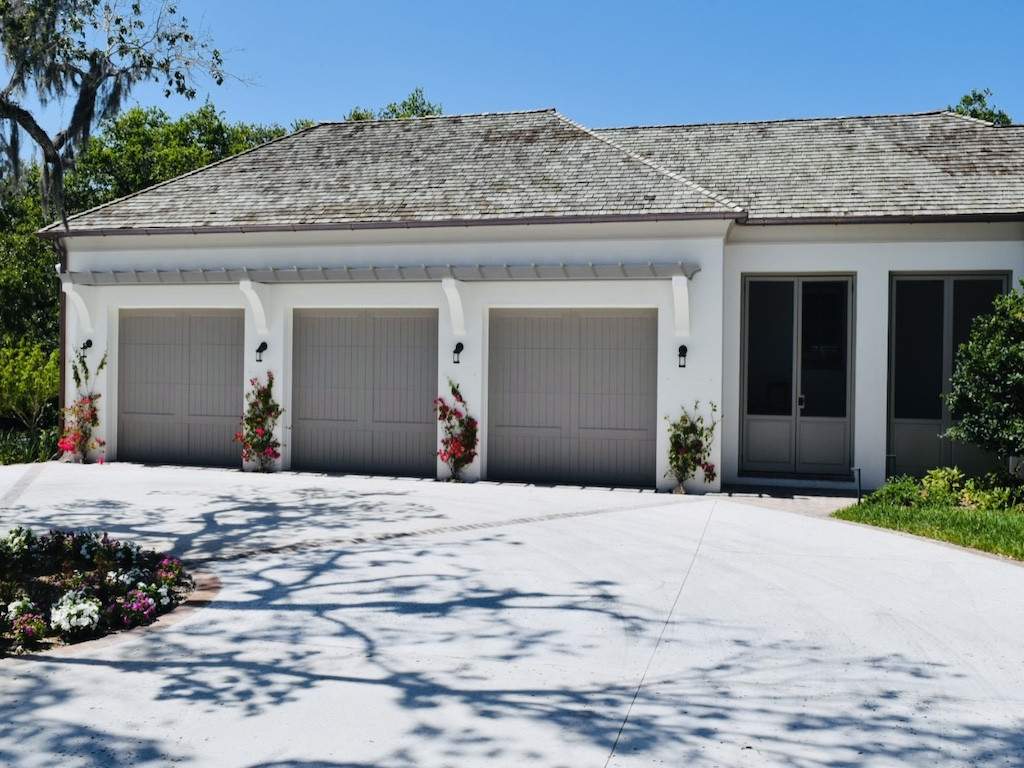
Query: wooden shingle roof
[[920, 166]]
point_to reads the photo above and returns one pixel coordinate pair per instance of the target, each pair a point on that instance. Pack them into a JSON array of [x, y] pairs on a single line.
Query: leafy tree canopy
[[413, 105], [975, 104], [987, 388], [90, 54]]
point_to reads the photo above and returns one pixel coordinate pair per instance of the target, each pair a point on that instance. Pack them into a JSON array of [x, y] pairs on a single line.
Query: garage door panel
[[364, 382], [530, 456], [615, 459], [180, 386], [589, 375]]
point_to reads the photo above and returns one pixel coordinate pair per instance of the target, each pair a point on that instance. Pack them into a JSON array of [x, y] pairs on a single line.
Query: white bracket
[[681, 304], [77, 301], [450, 286], [255, 293]]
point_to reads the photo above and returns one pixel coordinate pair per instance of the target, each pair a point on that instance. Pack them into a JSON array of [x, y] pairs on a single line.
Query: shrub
[[18, 446], [259, 444], [901, 491], [943, 485], [459, 443], [689, 445], [27, 630], [29, 384], [986, 399]]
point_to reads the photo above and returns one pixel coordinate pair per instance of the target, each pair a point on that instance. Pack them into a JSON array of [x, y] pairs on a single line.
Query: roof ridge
[[968, 118], [720, 199], [440, 117], [57, 224], [778, 120]]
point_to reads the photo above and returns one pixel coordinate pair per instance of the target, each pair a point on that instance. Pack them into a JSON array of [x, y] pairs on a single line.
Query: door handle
[[801, 401]]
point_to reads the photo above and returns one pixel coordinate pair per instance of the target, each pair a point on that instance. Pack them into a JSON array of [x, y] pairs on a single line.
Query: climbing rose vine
[[259, 445], [459, 444], [82, 416], [689, 445]]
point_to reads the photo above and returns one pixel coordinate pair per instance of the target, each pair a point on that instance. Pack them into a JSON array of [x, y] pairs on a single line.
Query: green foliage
[[986, 513], [143, 147], [943, 485], [975, 104], [28, 291], [413, 105], [20, 447], [29, 383], [986, 399], [689, 444], [902, 491]]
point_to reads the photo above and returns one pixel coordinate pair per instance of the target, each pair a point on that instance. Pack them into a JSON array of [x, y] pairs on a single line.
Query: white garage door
[[573, 396], [180, 386], [364, 382]]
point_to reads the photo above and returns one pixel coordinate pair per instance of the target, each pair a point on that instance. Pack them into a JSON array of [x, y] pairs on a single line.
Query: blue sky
[[611, 63]]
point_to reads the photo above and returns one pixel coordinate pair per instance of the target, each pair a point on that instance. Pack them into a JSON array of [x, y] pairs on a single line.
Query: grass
[[1000, 532]]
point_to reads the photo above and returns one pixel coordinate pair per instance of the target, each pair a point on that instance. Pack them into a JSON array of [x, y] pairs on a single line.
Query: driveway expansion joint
[[661, 634], [312, 544]]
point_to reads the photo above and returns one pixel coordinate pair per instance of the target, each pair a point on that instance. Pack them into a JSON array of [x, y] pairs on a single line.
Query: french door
[[930, 317], [796, 385]]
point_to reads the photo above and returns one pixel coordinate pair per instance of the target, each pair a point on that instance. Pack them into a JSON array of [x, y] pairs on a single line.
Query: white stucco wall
[[696, 243], [870, 254], [724, 255]]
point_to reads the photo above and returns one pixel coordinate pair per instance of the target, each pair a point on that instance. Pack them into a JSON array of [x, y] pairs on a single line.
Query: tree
[[413, 105], [93, 53], [986, 399], [975, 104], [29, 379]]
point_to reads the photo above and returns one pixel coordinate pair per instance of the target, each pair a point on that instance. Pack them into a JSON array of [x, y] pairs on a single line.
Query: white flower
[[75, 611], [18, 607], [17, 540]]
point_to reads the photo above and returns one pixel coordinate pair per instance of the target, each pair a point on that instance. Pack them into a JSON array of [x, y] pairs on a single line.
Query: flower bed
[[67, 586]]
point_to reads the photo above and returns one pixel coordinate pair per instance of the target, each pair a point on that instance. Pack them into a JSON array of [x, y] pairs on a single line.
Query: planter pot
[[680, 489]]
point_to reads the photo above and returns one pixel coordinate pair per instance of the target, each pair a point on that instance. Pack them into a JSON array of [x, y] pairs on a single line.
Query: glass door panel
[[770, 348], [930, 318], [770, 332], [918, 349], [797, 376], [823, 353]]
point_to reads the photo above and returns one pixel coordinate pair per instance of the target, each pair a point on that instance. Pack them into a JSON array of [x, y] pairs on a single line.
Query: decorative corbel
[[255, 294], [76, 300], [681, 304], [450, 286]]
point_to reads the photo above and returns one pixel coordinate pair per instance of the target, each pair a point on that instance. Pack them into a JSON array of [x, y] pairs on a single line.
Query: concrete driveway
[[376, 622]]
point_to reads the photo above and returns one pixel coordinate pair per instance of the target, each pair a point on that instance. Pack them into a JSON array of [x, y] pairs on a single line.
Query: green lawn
[[999, 532]]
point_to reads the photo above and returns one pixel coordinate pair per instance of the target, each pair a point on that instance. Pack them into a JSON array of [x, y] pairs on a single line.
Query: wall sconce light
[[87, 344], [456, 352], [260, 350], [682, 355]]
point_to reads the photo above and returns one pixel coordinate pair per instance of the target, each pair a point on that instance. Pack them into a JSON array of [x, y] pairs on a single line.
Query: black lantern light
[[87, 344], [457, 351], [682, 355], [260, 350]]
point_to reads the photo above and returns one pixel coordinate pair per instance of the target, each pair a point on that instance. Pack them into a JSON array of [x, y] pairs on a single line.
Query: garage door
[[180, 386], [364, 382], [572, 396]]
